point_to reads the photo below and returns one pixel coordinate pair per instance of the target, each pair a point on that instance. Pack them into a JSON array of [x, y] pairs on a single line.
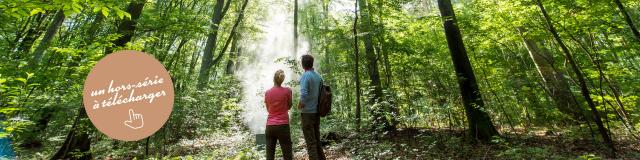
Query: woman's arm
[[290, 98], [266, 105]]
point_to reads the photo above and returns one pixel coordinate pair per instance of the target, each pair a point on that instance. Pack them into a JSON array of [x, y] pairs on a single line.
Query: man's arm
[[304, 90]]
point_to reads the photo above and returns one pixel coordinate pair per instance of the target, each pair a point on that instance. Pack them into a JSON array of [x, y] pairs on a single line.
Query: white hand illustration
[[135, 120]]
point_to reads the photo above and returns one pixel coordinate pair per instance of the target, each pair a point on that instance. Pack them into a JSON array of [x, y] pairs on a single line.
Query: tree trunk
[[554, 81], [479, 121], [627, 19], [233, 56], [31, 34], [77, 144], [372, 67], [95, 26], [382, 48], [581, 79], [218, 58], [295, 27], [356, 49], [176, 55], [127, 27], [52, 29], [212, 38], [195, 56]]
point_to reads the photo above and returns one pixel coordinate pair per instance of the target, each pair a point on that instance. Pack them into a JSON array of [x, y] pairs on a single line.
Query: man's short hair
[[307, 61]]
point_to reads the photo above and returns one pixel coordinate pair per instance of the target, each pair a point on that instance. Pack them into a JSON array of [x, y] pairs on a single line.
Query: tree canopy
[[411, 79]]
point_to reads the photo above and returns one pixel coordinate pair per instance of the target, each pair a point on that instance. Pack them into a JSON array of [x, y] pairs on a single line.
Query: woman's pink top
[[278, 100]]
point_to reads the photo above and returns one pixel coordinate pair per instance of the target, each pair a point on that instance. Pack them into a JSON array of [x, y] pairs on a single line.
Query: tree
[[627, 19], [32, 30], [582, 83], [128, 26], [232, 34], [77, 144], [212, 38], [356, 50], [480, 124], [554, 81], [52, 29], [233, 56], [295, 26], [373, 72], [45, 113]]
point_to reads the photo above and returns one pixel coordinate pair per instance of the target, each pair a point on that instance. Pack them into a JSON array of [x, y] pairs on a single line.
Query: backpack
[[324, 100]]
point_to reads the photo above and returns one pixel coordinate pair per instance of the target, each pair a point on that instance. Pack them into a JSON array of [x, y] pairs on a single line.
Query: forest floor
[[412, 143], [406, 143], [447, 144]]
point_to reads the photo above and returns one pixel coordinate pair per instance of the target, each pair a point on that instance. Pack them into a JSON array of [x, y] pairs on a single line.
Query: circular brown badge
[[128, 95]]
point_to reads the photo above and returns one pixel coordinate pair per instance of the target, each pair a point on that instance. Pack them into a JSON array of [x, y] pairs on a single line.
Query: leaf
[[2, 80], [105, 11], [33, 84], [36, 11], [4, 134], [77, 7], [120, 14], [22, 80], [126, 14], [8, 110], [29, 75]]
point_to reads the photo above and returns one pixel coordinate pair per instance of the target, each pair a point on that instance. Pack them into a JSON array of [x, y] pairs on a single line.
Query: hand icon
[[135, 120]]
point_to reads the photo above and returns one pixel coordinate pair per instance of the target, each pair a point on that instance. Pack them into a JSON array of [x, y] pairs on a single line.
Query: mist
[[276, 41]]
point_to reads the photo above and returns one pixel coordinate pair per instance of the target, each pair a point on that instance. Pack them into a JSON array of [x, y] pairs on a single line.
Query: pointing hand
[[135, 120]]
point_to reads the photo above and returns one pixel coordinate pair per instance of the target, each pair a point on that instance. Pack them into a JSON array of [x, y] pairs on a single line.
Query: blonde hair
[[278, 78]]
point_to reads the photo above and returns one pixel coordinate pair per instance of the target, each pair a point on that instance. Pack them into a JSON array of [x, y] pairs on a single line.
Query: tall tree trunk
[[31, 34], [295, 27], [583, 85], [195, 56], [177, 54], [52, 29], [382, 48], [77, 144], [372, 66], [325, 43], [554, 81], [23, 31], [210, 47], [128, 26], [95, 26], [356, 49], [194, 59], [218, 58], [479, 121], [233, 56], [627, 19], [603, 77]]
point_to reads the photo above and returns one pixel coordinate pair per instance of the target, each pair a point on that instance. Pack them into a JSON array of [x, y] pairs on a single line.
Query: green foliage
[[418, 80]]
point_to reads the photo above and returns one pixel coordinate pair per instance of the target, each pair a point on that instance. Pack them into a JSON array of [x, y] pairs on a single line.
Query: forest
[[411, 79]]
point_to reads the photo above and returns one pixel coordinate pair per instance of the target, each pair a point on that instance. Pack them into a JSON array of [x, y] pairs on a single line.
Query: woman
[[278, 102]]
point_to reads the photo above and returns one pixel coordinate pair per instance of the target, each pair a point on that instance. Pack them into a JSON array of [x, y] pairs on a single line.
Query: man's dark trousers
[[311, 131]]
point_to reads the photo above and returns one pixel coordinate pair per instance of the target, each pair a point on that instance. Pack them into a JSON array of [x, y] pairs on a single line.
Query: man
[[309, 94]]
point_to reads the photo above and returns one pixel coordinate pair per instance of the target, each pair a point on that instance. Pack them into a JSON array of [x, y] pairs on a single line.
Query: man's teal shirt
[[310, 91]]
